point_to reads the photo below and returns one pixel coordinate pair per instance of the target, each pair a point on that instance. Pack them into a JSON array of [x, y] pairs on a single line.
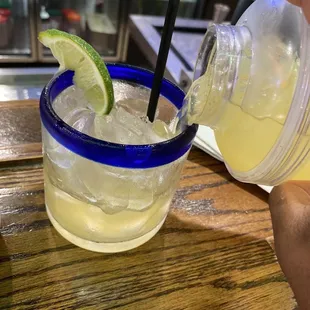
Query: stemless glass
[[103, 196]]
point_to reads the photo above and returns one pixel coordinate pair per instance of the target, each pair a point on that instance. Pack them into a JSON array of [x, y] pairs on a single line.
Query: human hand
[[305, 5], [290, 212]]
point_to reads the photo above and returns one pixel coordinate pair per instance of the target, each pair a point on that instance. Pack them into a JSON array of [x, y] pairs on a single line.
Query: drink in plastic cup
[[260, 121], [103, 196]]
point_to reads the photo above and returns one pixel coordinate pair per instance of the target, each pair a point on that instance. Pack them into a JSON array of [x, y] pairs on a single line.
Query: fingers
[[305, 4], [290, 213], [295, 2]]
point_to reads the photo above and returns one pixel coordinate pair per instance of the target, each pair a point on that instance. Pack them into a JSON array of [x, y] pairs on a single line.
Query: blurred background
[[120, 30]]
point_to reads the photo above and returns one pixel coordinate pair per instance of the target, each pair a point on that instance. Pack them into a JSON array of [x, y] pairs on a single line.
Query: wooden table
[[212, 253]]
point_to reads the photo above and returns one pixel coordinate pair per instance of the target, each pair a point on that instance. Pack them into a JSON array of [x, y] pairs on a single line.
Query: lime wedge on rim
[[90, 72]]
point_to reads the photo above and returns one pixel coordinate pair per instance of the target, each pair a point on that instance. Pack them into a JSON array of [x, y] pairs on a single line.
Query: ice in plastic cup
[[103, 196]]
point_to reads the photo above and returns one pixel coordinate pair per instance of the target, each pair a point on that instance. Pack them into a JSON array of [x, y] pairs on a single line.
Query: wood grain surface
[[20, 130], [213, 252]]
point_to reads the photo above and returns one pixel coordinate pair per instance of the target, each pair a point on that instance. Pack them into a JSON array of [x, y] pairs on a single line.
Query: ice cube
[[58, 154], [67, 180], [125, 91], [103, 129], [118, 189], [126, 123], [70, 99], [131, 122], [83, 120], [107, 185], [137, 107], [114, 128], [139, 130], [125, 128], [141, 196], [61, 156], [73, 111], [113, 202]]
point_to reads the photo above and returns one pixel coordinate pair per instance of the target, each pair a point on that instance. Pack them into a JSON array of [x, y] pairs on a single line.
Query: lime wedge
[[90, 72]]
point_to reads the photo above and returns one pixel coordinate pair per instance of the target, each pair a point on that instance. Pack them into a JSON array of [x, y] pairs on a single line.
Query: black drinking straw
[[241, 7], [165, 42]]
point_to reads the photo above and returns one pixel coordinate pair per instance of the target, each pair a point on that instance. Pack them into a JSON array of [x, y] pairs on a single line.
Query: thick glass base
[[102, 247]]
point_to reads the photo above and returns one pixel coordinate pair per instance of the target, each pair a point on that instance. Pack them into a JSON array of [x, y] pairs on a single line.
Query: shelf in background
[[20, 44], [187, 37], [187, 45]]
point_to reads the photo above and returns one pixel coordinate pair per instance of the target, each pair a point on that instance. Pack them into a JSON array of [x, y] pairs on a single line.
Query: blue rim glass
[[113, 154]]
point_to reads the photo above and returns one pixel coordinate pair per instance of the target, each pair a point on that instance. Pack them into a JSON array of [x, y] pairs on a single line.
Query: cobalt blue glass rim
[[113, 154]]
